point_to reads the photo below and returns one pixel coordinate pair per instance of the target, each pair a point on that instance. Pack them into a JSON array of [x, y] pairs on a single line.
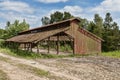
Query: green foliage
[[2, 42], [110, 34], [66, 48], [2, 32], [84, 23], [115, 54], [91, 26], [31, 55], [67, 15], [13, 29], [19, 53], [56, 17], [107, 30], [45, 20], [98, 25]]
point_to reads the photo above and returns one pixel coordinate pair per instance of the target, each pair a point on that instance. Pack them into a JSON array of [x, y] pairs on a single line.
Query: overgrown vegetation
[[12, 29], [3, 76], [32, 55], [65, 46], [114, 54]]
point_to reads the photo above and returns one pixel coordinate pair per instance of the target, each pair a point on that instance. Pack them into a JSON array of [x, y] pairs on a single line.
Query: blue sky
[[33, 10]]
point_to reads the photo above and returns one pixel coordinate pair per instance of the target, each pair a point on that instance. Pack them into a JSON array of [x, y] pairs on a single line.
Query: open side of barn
[[82, 41]]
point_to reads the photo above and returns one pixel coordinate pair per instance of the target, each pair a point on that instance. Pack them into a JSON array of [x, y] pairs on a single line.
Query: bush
[[2, 42]]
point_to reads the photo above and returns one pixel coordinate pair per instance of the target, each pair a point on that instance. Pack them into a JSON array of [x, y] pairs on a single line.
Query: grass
[[19, 53], [32, 55], [36, 71], [39, 72], [4, 59], [3, 75], [114, 54]]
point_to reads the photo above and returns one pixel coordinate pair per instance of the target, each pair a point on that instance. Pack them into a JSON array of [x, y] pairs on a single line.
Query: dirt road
[[84, 68]]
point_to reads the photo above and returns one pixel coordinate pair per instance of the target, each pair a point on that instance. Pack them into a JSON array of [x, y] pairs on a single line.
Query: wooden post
[[48, 44], [37, 47], [73, 46], [31, 47], [28, 45], [24, 46], [58, 44]]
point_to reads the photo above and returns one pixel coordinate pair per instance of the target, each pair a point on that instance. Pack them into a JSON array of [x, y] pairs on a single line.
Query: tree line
[[105, 28], [12, 29]]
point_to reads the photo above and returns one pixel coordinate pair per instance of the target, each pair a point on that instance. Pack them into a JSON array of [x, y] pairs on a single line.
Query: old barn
[[81, 40]]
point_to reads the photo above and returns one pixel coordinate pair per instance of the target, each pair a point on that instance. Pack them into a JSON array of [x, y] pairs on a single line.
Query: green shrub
[[2, 42]]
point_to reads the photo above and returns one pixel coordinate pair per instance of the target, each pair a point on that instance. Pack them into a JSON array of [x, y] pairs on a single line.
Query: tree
[[91, 26], [108, 21], [56, 17], [98, 21], [23, 26], [45, 20], [2, 32], [15, 28], [84, 23], [110, 34], [67, 15], [7, 25]]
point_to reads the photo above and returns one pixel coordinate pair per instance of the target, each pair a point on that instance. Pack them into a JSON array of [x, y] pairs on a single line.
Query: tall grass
[[115, 54], [32, 55], [19, 53]]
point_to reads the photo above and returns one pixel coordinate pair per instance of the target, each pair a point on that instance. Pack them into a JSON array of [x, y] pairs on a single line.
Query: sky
[[33, 10]]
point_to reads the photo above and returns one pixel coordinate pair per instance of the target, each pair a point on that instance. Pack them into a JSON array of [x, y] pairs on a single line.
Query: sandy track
[[37, 65], [84, 68]]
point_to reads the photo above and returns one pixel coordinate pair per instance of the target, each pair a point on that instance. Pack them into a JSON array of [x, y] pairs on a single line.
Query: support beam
[[37, 47], [73, 43], [24, 46], [31, 47], [58, 44], [48, 44], [28, 45]]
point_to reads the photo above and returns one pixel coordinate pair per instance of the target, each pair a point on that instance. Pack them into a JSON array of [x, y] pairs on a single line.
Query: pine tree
[[98, 21], [110, 34]]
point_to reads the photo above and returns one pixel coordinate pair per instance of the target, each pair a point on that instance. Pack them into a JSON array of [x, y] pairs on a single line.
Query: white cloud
[[74, 10], [2, 24], [108, 6], [33, 20], [88, 12], [51, 1], [16, 6]]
